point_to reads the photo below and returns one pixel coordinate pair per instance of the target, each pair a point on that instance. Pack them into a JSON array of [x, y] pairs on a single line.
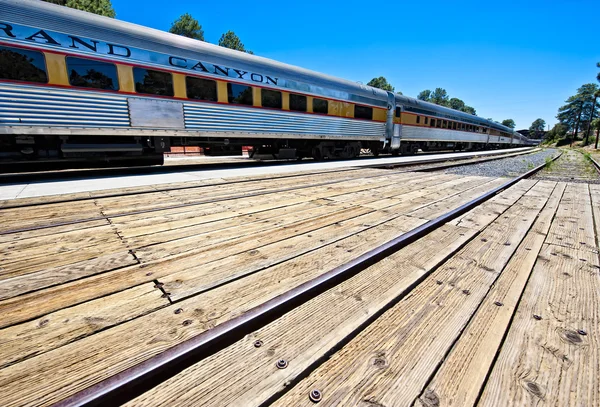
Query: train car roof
[[79, 23]]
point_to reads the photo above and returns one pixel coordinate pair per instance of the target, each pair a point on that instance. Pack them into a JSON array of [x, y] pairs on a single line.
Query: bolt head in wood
[[498, 303], [282, 364], [466, 292], [537, 317], [258, 343], [179, 310], [315, 395], [187, 322], [582, 332]]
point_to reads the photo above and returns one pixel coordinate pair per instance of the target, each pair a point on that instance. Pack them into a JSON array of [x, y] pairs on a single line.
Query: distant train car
[[77, 86]]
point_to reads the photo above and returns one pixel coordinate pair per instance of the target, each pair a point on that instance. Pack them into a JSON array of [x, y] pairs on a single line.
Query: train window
[[87, 73], [201, 89], [444, 124], [22, 65], [432, 122], [438, 123], [454, 125], [271, 98], [363, 112], [239, 94], [398, 110], [320, 106], [426, 120], [297, 102], [153, 82], [418, 119]]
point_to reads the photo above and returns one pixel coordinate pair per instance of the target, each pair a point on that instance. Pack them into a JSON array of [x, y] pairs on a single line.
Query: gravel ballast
[[506, 167]]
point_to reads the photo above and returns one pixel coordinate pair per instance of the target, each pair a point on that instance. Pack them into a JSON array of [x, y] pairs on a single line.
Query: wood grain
[[390, 361], [224, 378], [460, 378]]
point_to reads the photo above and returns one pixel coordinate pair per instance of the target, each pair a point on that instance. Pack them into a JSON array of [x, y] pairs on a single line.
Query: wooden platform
[[91, 287]]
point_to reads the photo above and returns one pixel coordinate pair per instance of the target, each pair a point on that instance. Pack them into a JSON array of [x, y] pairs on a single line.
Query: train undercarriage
[[26, 152]]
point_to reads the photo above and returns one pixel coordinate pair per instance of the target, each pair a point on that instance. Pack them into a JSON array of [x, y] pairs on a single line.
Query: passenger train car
[[74, 85]]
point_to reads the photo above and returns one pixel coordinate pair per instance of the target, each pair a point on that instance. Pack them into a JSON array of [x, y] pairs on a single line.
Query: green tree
[[232, 41], [187, 26], [537, 127], [101, 7], [425, 95], [456, 104], [509, 123], [381, 83], [440, 97], [579, 109], [399, 93], [559, 131], [470, 110]]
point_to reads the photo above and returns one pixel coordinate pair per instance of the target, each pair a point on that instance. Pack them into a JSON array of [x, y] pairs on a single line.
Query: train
[[79, 86]]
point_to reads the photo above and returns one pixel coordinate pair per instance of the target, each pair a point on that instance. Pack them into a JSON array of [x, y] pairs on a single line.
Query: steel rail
[[281, 176], [122, 385], [596, 163]]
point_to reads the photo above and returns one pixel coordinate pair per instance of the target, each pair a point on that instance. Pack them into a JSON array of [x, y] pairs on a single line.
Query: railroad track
[[431, 165], [573, 166], [144, 377], [151, 302], [235, 297]]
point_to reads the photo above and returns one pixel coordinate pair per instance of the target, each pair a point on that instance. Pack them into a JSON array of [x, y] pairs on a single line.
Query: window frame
[[363, 117], [230, 98], [118, 87], [262, 98], [23, 51], [195, 78], [297, 95], [170, 75], [320, 100]]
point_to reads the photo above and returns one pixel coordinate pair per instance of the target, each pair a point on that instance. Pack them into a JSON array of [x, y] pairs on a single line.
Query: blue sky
[[510, 59]]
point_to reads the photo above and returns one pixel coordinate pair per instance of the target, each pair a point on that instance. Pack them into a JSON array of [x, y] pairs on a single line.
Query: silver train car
[[78, 86]]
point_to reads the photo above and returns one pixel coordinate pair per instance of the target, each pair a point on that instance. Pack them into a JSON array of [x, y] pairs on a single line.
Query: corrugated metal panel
[[237, 119], [434, 134], [34, 106]]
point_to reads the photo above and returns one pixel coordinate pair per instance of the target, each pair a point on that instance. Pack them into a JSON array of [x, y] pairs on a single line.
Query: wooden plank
[[193, 279], [14, 310], [20, 218], [56, 230], [575, 209], [224, 379], [108, 352], [53, 276], [437, 209], [51, 331], [547, 362], [595, 195], [390, 362], [479, 217], [460, 379]]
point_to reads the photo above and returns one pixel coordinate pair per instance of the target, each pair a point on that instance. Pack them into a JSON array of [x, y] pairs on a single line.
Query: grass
[[549, 162]]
